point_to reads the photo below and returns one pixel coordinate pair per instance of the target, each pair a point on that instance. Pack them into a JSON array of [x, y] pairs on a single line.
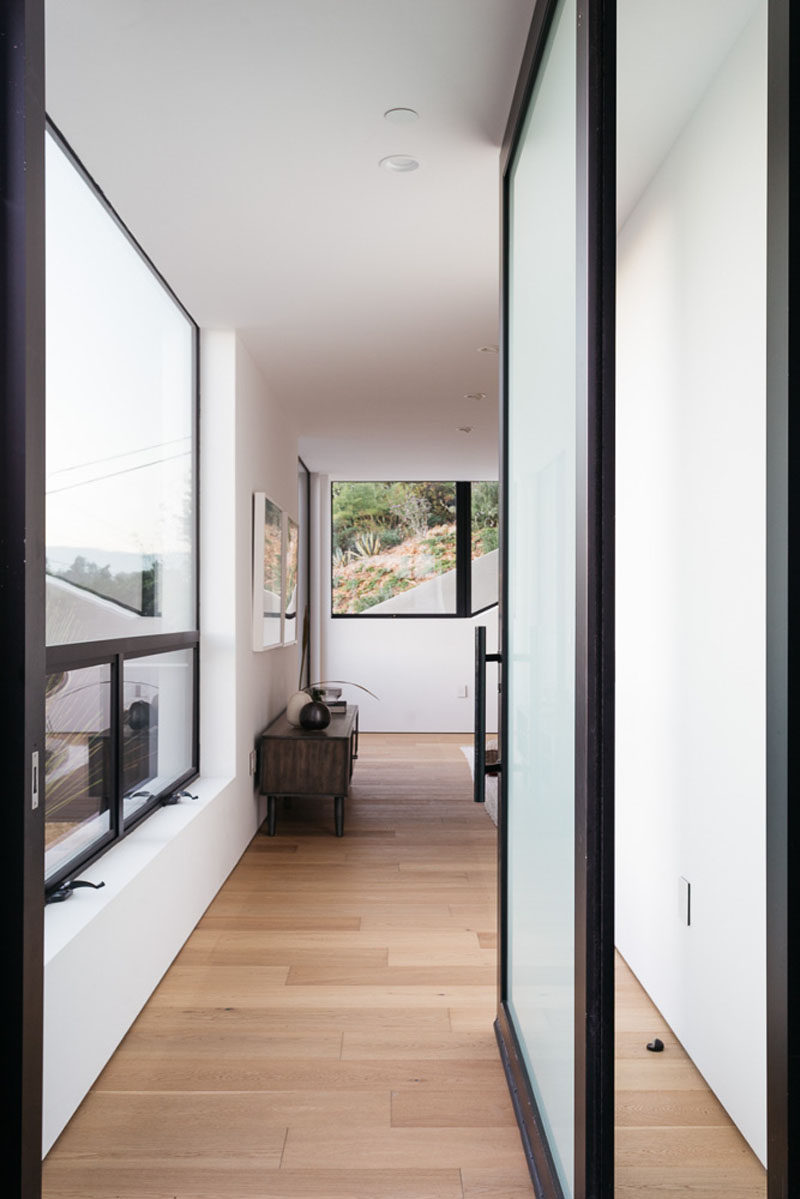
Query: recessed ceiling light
[[399, 162], [401, 116], [475, 395], [465, 428], [488, 349]]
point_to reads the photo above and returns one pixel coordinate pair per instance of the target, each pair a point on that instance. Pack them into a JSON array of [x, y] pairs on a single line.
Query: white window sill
[[121, 864]]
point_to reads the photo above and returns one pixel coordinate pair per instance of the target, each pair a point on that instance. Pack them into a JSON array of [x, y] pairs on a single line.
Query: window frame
[[463, 608], [116, 651]]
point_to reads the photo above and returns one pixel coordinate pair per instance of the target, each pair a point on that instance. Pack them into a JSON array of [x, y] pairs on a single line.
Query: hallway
[[326, 1032]]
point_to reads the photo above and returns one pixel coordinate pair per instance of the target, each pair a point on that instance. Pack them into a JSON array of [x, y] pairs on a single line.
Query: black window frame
[[464, 609], [116, 652]]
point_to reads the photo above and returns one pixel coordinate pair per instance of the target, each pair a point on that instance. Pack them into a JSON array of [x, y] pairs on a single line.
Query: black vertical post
[[116, 709], [22, 589], [463, 549], [783, 604], [594, 691]]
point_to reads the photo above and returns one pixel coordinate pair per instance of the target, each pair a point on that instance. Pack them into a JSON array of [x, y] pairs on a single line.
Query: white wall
[[416, 666], [105, 951], [690, 585], [266, 460]]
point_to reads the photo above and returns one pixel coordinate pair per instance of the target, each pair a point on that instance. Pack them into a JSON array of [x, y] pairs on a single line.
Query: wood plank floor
[[326, 1032], [674, 1140]]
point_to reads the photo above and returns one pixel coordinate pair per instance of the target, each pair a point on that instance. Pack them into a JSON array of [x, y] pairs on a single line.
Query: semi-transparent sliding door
[[540, 666], [555, 1017]]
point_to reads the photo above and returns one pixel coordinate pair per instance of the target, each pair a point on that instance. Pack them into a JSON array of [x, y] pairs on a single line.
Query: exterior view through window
[[400, 548], [485, 544], [121, 576]]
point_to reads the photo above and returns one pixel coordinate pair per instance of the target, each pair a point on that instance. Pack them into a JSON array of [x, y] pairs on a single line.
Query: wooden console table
[[295, 762]]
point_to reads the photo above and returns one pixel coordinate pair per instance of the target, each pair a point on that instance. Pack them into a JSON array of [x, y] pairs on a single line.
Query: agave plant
[[367, 544]]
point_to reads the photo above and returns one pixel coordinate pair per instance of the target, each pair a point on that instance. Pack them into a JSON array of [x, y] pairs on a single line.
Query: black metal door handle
[[481, 767]]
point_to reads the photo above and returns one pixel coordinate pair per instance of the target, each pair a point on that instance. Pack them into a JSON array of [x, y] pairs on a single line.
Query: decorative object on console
[[330, 683], [318, 691], [295, 705], [315, 716]]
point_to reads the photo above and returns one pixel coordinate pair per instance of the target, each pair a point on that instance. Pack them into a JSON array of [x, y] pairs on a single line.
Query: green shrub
[[485, 511], [390, 537], [487, 540]]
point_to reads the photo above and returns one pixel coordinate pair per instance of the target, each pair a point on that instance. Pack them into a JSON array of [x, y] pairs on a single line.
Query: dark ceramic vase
[[138, 716], [314, 717]]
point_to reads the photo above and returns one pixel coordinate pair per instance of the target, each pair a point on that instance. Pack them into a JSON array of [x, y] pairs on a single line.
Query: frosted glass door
[[540, 607]]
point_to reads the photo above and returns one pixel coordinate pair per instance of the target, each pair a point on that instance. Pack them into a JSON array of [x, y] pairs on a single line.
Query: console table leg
[[338, 808], [272, 813]]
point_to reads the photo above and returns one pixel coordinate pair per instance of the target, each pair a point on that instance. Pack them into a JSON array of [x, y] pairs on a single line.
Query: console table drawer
[[313, 766]]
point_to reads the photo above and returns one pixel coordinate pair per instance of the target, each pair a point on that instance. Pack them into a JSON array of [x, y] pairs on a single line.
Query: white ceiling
[[240, 139]]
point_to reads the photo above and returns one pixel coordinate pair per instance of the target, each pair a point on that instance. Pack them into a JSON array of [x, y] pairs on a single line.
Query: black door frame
[[783, 602], [594, 610], [22, 588]]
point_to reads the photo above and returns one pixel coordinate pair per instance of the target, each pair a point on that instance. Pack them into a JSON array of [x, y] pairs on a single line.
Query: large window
[[121, 419], [413, 548]]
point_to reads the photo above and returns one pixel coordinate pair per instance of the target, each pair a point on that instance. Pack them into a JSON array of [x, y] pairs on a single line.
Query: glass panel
[[78, 764], [120, 414], [157, 723], [393, 548], [485, 554], [540, 676]]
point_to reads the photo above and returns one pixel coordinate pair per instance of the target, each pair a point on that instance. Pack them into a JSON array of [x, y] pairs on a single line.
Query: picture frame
[[268, 572], [291, 542]]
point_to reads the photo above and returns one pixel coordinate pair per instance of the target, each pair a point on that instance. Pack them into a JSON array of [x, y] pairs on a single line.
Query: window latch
[[176, 797], [64, 890]]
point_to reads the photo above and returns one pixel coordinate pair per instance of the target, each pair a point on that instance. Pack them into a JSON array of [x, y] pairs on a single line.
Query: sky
[[119, 382]]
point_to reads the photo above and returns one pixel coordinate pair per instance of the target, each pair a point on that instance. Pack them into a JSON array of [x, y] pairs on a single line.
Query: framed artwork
[[268, 558], [292, 547]]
